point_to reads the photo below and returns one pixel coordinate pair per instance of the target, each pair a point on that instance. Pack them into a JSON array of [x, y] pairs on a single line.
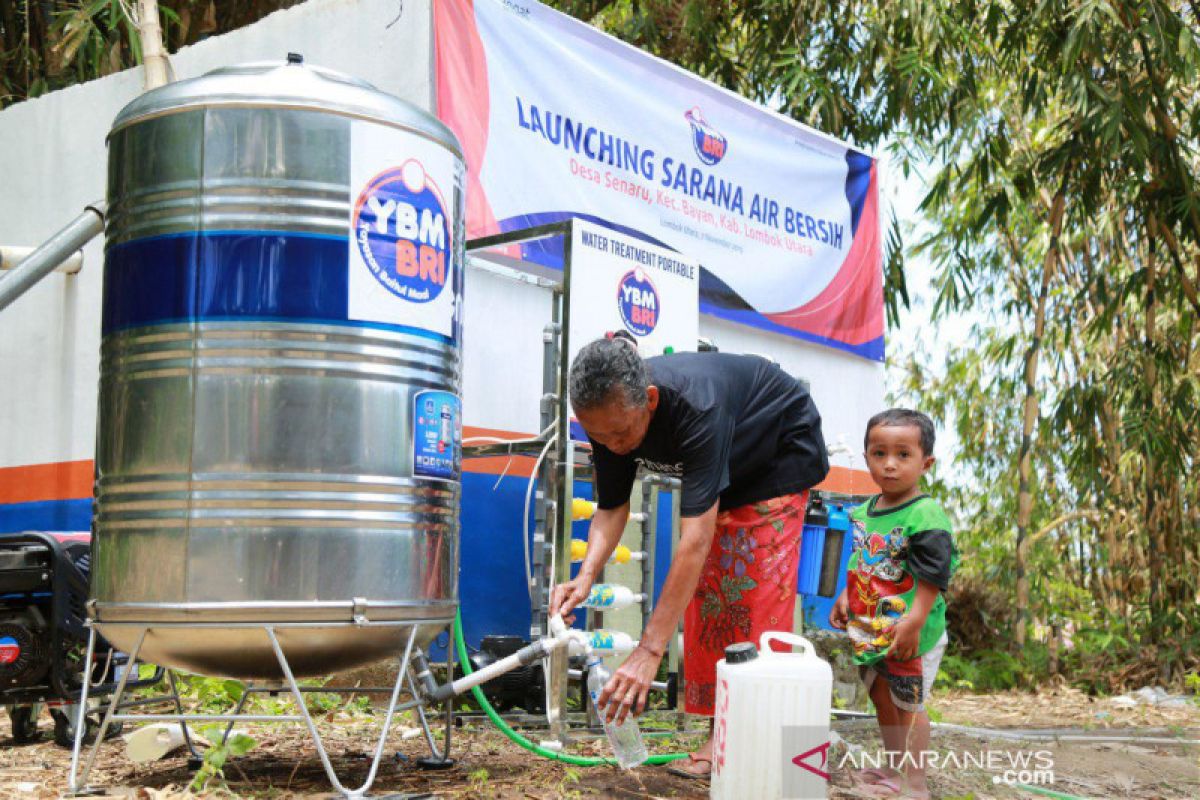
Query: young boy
[[892, 606]]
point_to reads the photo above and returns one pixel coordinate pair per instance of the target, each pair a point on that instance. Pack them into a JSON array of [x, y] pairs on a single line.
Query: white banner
[[559, 120]]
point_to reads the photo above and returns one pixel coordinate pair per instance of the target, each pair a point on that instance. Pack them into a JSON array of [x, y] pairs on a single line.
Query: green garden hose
[[1047, 792], [579, 761], [584, 761]]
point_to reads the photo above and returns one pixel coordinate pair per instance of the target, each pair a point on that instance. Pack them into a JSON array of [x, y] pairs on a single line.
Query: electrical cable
[[502, 440], [508, 463]]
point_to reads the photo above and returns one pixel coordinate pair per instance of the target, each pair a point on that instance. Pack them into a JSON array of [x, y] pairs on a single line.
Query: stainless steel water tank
[[279, 434]]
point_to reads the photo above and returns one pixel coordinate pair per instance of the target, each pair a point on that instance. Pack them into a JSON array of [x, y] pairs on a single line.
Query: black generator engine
[[43, 635]]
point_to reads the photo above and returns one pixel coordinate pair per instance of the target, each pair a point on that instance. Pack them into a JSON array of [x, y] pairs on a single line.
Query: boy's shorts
[[909, 682]]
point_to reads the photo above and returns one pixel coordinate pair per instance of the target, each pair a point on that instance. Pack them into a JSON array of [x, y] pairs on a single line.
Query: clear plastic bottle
[[626, 738]]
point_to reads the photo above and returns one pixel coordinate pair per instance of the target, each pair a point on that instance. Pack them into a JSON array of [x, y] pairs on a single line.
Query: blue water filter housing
[[824, 555]]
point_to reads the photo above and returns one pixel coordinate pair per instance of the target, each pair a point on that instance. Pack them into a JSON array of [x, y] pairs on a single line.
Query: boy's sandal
[[890, 788], [684, 772], [869, 776]]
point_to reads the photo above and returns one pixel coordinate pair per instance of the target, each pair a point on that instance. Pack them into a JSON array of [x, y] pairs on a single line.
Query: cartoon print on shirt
[[877, 587]]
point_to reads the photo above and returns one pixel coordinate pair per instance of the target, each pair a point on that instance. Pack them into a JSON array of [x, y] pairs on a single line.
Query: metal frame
[[552, 512], [77, 781], [674, 655]]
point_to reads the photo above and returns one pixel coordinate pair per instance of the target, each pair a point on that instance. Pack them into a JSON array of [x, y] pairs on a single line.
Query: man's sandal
[[683, 772]]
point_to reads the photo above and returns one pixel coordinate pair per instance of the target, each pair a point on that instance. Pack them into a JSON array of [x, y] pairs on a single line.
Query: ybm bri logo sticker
[[710, 143], [637, 300], [401, 230]]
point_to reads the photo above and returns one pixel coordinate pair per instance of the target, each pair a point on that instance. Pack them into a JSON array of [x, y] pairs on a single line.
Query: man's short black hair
[[903, 417], [606, 366]]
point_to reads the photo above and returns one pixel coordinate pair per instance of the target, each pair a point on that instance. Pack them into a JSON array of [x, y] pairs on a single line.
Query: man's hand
[[603, 535], [567, 596], [629, 686], [839, 616], [906, 639]]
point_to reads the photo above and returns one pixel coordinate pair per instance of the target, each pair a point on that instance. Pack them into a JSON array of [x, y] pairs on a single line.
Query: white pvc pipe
[[493, 670], [11, 255], [42, 261], [526, 655]]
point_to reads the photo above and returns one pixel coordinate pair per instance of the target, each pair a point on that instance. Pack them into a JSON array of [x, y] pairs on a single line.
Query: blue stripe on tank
[[216, 276]]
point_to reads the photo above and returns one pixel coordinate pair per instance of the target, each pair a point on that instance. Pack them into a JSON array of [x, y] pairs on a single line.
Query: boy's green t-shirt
[[892, 548]]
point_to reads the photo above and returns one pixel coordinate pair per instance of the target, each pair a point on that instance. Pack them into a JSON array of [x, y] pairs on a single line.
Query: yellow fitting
[[621, 555], [578, 549], [582, 509]]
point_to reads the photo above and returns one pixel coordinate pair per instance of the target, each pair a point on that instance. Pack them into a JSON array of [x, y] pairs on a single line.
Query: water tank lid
[[288, 83], [740, 652]]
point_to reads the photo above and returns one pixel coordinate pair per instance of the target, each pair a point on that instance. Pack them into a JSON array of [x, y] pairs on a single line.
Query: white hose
[[525, 516], [501, 440]]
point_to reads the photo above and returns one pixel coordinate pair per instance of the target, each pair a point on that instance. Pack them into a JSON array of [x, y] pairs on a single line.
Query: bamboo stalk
[[156, 68], [1029, 420], [1154, 554]]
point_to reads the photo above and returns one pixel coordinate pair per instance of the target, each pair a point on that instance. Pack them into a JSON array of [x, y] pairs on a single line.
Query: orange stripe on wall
[[840, 479], [66, 480], [521, 466], [848, 481], [72, 480]]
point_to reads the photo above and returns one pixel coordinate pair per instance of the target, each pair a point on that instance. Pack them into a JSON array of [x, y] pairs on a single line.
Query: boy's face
[[895, 458]]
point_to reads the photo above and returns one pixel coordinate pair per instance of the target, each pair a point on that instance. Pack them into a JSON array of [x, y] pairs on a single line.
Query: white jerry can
[[771, 728]]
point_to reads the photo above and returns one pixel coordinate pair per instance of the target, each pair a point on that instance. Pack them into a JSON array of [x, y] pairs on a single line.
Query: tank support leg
[[438, 759], [183, 726], [241, 705], [113, 705], [298, 696], [81, 721]]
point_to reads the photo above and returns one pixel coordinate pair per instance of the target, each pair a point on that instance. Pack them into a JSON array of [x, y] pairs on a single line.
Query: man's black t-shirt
[[733, 427]]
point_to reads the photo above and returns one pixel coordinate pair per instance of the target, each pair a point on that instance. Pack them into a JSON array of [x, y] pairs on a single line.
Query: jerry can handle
[[787, 638]]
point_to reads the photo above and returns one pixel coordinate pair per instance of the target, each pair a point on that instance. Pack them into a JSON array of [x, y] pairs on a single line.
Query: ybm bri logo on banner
[[637, 300], [710, 143], [401, 231]]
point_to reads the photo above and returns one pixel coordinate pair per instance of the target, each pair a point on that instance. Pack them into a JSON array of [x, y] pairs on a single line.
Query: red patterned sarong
[[747, 587]]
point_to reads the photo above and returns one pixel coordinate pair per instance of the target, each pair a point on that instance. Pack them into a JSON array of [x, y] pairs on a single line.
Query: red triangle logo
[[823, 750]]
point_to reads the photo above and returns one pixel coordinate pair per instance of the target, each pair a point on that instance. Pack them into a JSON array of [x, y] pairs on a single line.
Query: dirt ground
[[284, 763]]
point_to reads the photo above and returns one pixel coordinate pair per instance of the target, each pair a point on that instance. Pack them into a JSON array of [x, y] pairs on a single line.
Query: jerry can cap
[[740, 652]]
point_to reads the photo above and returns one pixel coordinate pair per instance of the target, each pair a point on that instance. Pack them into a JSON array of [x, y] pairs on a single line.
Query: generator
[[43, 591]]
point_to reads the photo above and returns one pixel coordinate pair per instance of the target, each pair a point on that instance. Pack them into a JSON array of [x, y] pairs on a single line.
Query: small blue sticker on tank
[[436, 425]]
